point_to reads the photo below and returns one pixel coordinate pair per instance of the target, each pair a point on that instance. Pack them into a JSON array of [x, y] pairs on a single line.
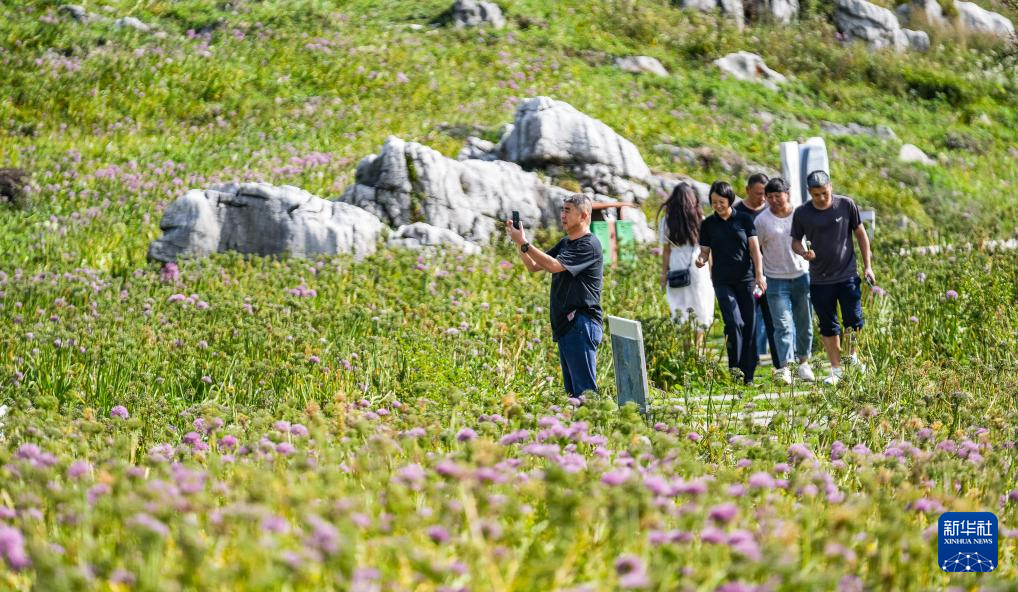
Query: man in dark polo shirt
[[828, 222], [576, 264], [753, 205]]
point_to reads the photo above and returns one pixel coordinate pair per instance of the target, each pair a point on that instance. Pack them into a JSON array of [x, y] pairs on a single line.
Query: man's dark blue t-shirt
[[578, 288]]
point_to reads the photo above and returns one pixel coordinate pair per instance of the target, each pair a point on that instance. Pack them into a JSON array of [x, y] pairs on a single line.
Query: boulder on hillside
[[750, 67], [474, 13], [928, 12], [854, 129], [408, 182], [912, 153], [875, 25], [917, 40], [262, 219], [778, 11], [977, 19], [74, 11], [640, 65], [732, 9], [421, 236], [129, 22], [548, 132]]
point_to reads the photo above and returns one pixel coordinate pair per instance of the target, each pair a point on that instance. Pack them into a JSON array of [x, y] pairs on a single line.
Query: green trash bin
[[603, 233]]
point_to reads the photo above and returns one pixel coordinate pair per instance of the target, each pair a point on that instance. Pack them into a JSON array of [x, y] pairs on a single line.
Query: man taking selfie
[[576, 266]]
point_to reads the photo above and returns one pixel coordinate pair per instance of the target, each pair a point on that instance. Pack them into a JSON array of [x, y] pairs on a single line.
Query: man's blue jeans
[[577, 352], [790, 311]]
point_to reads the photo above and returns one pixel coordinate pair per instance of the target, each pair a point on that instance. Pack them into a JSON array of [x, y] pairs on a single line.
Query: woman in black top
[[728, 239]]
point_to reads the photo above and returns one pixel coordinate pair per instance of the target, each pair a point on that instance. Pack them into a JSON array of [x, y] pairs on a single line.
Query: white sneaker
[[806, 373], [853, 361], [835, 376], [783, 375]]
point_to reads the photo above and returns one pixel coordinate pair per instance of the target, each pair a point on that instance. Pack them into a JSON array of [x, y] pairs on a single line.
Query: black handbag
[[678, 278]]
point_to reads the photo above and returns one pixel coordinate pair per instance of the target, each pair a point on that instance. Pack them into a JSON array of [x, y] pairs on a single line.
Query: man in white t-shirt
[[787, 284]]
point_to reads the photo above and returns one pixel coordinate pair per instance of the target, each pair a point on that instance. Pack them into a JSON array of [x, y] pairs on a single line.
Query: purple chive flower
[[798, 452], [515, 437], [119, 411], [921, 277], [951, 294], [631, 572], [192, 438], [228, 442], [170, 273], [695, 437], [149, 523], [78, 468], [285, 448], [412, 475], [617, 477], [837, 450], [913, 319], [275, 524], [466, 435], [723, 513], [323, 537], [438, 535], [299, 430], [761, 480], [12, 548], [713, 535]]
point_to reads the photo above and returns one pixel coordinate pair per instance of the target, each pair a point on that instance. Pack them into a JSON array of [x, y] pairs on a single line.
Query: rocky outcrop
[[976, 19], [749, 67], [732, 9], [408, 182], [874, 25], [854, 129], [778, 11], [420, 236], [912, 153], [262, 219], [472, 13], [13, 183], [549, 132], [641, 65]]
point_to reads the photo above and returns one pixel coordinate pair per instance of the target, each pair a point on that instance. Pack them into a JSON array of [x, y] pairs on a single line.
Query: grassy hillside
[[397, 423], [113, 123]]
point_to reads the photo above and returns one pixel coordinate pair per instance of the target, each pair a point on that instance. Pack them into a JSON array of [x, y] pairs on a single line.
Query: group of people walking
[[767, 264]]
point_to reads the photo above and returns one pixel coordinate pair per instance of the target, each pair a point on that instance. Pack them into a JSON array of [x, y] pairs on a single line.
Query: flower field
[[397, 423], [317, 425]]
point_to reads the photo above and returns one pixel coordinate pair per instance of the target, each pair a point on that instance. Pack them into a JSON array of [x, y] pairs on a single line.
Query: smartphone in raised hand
[[516, 220]]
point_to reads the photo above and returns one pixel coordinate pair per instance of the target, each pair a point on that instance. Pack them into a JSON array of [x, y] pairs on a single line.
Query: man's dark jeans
[[738, 310], [577, 352]]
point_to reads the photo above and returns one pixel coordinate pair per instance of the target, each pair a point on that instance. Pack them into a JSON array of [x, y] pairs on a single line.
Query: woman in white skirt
[[687, 287]]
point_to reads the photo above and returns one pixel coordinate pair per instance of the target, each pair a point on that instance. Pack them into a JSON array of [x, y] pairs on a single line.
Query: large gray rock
[[640, 65], [421, 236], [408, 182], [779, 11], [131, 22], [743, 65], [912, 153], [974, 18], [917, 40], [549, 132], [471, 13], [732, 9], [75, 11], [875, 25], [262, 219], [854, 129], [922, 12]]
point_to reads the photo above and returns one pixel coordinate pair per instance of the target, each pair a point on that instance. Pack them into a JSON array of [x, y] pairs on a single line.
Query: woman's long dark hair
[[682, 215]]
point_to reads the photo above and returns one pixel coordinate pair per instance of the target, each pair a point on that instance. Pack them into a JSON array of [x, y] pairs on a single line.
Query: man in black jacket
[[576, 266]]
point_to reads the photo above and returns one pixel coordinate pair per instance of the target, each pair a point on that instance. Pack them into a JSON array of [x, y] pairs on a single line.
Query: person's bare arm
[[535, 259], [754, 254], [666, 255], [704, 256], [801, 251], [864, 249]]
